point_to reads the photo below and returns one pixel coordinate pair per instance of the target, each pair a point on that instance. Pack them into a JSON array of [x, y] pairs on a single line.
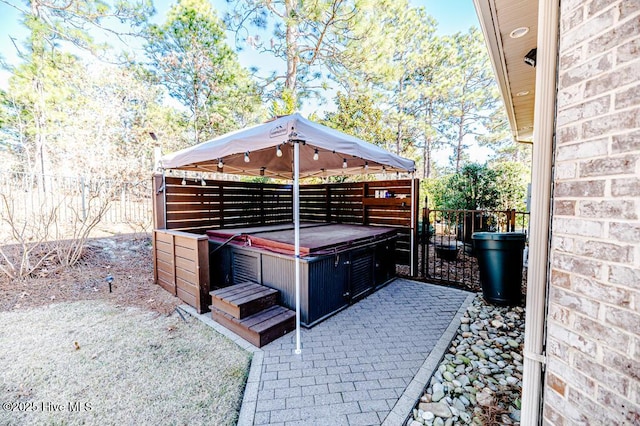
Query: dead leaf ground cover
[[68, 342]]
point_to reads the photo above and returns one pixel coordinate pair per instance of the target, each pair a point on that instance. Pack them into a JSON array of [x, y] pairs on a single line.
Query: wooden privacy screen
[[220, 204], [181, 266], [224, 204], [356, 203]]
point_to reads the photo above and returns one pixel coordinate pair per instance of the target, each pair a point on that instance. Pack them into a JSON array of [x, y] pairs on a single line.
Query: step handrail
[[231, 238]]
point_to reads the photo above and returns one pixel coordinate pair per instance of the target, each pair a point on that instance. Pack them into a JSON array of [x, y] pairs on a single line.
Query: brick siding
[[593, 340]]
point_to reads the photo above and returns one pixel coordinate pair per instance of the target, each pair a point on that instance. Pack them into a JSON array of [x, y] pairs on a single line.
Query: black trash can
[[500, 261]]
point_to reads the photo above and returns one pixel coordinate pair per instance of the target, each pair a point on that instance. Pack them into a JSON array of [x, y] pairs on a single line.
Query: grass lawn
[[95, 362]]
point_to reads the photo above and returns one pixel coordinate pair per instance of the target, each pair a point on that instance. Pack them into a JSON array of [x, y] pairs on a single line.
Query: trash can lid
[[500, 236]]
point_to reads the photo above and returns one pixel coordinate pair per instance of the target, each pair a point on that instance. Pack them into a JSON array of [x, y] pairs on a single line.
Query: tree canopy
[[381, 70], [189, 56]]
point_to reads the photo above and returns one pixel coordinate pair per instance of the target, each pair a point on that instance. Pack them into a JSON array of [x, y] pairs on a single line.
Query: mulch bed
[[127, 258]]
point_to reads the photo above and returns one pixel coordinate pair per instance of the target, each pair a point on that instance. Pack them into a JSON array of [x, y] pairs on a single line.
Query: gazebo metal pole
[[296, 227]]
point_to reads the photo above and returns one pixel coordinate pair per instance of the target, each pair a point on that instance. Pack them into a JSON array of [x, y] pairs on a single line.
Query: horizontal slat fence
[[181, 266], [361, 203], [224, 204]]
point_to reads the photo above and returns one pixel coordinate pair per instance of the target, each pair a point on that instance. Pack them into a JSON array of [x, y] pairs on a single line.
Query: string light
[[220, 163], [315, 155], [246, 157], [203, 182], [278, 152], [344, 163], [366, 165], [184, 179]]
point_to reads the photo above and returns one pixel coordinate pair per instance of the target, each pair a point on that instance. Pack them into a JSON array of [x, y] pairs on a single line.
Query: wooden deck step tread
[[261, 328], [231, 290], [243, 300]]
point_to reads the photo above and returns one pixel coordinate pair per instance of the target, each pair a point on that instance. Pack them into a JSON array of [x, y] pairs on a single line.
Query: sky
[[452, 16]]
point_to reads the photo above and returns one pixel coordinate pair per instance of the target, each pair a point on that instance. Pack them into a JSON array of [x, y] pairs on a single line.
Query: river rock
[[478, 351], [483, 358], [437, 396], [515, 415], [439, 409], [463, 380], [484, 398]]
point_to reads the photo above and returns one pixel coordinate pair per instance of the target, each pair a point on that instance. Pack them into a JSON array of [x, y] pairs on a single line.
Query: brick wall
[[593, 340]]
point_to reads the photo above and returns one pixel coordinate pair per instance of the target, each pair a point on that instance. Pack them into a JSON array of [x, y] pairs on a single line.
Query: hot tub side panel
[[385, 261], [328, 283], [278, 272], [328, 287]]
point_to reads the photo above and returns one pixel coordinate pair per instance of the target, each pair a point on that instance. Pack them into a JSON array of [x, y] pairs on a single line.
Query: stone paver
[[367, 364]]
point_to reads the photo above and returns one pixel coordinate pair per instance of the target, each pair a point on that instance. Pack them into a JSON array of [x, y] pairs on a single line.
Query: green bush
[[480, 187]]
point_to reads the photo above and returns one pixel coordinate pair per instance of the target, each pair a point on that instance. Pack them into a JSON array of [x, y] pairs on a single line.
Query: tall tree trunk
[[426, 157], [195, 108], [459, 147], [39, 107], [401, 110], [428, 141], [293, 59], [398, 137]]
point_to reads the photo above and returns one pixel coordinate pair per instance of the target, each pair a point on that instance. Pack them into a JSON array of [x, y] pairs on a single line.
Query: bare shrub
[[43, 238], [71, 239], [29, 248]]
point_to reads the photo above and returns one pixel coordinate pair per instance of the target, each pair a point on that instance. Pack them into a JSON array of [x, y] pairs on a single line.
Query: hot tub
[[339, 263]]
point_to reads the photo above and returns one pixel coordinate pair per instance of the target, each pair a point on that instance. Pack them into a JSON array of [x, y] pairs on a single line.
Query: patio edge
[[402, 409]]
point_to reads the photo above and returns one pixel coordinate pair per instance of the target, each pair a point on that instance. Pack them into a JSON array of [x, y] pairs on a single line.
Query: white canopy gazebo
[[289, 147]]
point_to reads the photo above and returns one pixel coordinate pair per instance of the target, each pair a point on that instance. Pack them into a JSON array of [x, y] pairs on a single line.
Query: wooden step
[[261, 328], [243, 300]]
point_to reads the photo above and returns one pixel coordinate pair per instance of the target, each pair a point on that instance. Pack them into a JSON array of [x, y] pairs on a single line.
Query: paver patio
[[366, 365]]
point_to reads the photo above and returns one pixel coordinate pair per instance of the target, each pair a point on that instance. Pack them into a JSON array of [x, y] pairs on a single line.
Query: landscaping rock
[[482, 368], [439, 409], [428, 416], [437, 396]]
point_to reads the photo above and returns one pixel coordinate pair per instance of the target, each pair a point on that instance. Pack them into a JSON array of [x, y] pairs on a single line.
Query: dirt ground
[[126, 257], [78, 354]]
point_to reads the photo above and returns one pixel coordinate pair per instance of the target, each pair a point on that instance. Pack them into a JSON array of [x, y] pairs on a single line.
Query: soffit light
[[522, 93], [519, 32]]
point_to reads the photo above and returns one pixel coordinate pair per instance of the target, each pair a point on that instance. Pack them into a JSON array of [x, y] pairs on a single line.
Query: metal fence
[[26, 196], [446, 247]]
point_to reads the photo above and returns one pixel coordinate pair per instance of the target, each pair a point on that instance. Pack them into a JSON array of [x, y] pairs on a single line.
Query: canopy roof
[[259, 144]]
